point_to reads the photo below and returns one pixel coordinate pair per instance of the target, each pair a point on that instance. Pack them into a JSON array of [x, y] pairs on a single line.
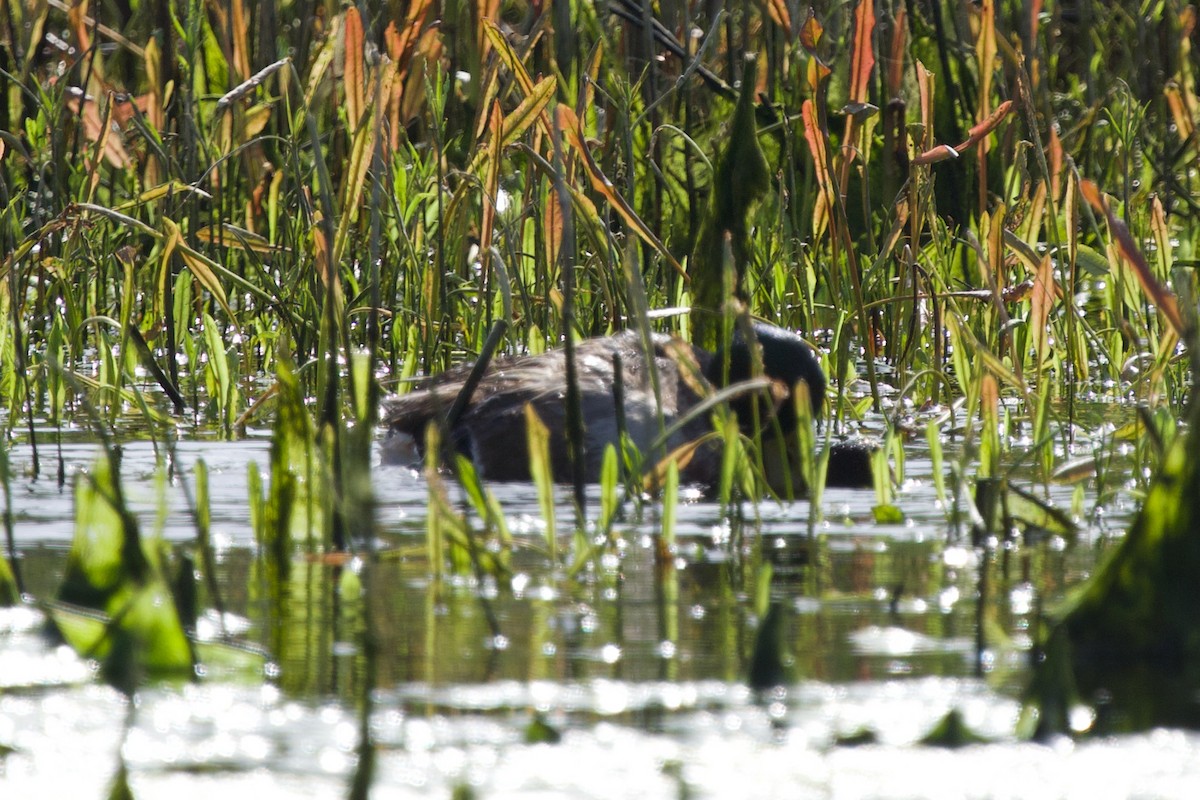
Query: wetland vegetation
[[227, 233]]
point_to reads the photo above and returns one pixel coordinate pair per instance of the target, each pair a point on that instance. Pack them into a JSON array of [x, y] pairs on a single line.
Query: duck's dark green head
[[785, 358]]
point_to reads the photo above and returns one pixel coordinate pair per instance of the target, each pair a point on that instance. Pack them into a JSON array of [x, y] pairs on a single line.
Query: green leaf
[[952, 731], [888, 514]]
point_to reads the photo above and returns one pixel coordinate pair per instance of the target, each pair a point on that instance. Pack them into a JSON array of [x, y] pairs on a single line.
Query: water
[[650, 697]]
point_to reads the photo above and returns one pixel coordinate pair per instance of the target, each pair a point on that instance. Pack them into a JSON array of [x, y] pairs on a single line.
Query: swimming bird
[[491, 428]]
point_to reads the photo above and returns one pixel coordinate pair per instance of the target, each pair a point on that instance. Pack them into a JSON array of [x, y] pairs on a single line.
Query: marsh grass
[[989, 209]]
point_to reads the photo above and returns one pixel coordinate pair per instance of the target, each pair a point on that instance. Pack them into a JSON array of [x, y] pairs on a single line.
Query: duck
[[490, 424]]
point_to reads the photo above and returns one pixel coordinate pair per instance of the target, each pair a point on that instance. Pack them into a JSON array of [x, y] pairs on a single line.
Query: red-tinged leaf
[[977, 133], [926, 81], [509, 56], [1162, 237], [354, 77], [815, 138], [985, 53], [1187, 22], [1040, 304], [531, 109], [491, 180], [239, 23], [1159, 295], [429, 47], [487, 13], [1179, 113], [401, 40], [987, 125], [568, 123], [895, 59], [77, 18], [552, 225], [816, 73], [989, 399], [393, 40], [1054, 148], [780, 15], [940, 153], [811, 32], [94, 128], [864, 52]]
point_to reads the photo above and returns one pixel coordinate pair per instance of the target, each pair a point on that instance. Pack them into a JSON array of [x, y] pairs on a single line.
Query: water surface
[[642, 672]]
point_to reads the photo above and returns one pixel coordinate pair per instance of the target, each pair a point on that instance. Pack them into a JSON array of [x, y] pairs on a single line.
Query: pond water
[[646, 685]]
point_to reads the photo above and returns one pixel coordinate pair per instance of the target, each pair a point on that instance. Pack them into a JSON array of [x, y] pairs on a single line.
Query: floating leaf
[[887, 515]]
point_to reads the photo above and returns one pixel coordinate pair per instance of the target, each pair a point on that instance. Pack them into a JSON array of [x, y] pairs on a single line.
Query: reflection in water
[[879, 625]]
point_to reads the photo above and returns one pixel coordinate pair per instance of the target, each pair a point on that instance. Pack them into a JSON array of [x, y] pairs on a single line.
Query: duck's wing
[[511, 380], [492, 428]]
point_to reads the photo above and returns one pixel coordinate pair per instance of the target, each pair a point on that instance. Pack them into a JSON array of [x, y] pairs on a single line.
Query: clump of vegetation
[[397, 183], [211, 219]]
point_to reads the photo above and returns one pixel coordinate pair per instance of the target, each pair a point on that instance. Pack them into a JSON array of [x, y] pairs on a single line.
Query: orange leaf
[[864, 53], [491, 182], [926, 82], [240, 26], [1187, 22], [985, 52], [1179, 113], [400, 42], [1055, 153], [988, 125], [778, 11], [1039, 307], [354, 79], [77, 17], [816, 146], [552, 223], [816, 73], [977, 133], [487, 13], [811, 32], [568, 123], [93, 128], [895, 59]]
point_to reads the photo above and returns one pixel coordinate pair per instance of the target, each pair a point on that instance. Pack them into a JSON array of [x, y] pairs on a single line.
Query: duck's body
[[491, 429]]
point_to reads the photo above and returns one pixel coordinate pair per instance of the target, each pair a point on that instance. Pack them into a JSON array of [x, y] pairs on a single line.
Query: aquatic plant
[[214, 221]]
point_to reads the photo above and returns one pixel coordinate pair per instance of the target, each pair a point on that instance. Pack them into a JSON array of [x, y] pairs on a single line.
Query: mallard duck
[[491, 428]]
